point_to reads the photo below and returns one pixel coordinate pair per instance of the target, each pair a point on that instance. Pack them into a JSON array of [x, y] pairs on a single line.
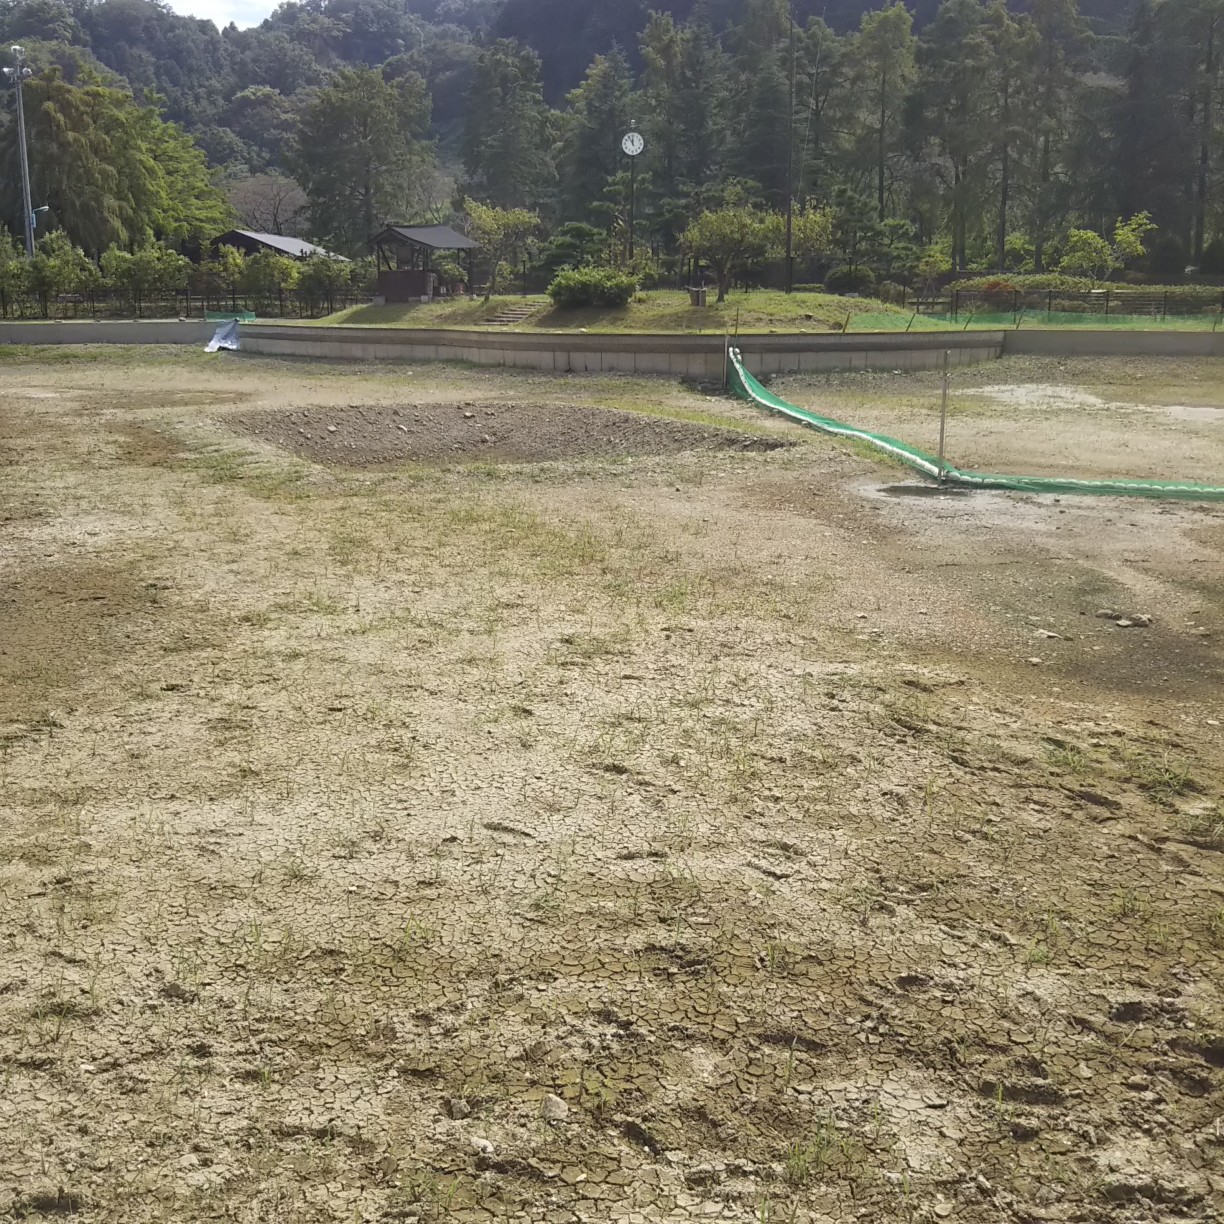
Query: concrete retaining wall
[[675, 355], [1074, 343], [108, 331]]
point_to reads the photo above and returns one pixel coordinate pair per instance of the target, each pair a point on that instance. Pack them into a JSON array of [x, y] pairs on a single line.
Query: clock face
[[633, 144]]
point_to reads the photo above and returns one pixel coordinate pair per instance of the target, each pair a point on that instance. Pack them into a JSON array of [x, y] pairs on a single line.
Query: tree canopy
[[108, 169], [357, 150], [942, 134]]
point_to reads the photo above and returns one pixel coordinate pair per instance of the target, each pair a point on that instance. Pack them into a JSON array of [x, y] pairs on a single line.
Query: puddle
[[922, 490], [1192, 412], [1038, 395], [1053, 396]]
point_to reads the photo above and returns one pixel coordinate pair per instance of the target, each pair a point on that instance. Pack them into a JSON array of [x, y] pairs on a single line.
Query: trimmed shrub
[[576, 287], [850, 280], [1041, 282]]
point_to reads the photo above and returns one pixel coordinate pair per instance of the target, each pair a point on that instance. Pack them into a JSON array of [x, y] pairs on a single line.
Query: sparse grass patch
[[406, 802], [1068, 758], [1203, 827], [220, 465], [1164, 778]]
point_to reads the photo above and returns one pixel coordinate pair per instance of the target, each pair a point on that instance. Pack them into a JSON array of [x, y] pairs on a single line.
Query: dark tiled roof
[[436, 237]]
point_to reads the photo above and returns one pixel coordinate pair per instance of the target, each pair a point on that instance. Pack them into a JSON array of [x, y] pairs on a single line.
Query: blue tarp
[[226, 338]]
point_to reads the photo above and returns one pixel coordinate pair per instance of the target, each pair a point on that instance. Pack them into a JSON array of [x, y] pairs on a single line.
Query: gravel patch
[[497, 433]]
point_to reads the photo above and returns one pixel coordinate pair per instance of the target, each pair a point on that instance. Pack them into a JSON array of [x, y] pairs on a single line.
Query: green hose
[[747, 387]]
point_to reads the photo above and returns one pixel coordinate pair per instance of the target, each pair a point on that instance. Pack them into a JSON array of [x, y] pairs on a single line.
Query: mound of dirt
[[499, 433]]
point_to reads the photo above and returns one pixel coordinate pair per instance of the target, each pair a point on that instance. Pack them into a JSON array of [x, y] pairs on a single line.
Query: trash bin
[[697, 297]]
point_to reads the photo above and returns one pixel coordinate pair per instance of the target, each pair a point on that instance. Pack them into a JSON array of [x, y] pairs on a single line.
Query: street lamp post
[[18, 74]]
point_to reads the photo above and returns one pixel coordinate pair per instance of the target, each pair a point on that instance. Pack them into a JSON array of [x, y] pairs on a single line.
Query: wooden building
[[250, 242], [404, 257]]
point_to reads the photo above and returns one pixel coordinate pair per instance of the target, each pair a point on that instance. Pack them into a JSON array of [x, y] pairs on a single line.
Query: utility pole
[[18, 73], [790, 164]]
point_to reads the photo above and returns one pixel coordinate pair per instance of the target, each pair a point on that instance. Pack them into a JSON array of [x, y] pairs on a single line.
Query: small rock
[[1142, 620], [553, 1109], [331, 429], [1046, 633], [485, 438], [457, 1108], [1107, 614], [481, 1145], [1123, 623], [943, 1210], [176, 990], [1035, 661], [467, 416]]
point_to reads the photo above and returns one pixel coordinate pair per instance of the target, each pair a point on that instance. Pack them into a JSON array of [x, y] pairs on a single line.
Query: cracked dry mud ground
[[349, 818]]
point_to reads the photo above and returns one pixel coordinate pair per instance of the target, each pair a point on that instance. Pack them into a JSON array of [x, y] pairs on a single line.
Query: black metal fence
[[1160, 303], [104, 304]]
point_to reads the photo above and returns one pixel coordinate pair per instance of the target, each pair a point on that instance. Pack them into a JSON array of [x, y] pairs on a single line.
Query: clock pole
[[632, 144], [632, 201]]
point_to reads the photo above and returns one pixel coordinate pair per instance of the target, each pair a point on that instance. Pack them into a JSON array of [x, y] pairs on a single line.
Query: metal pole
[[19, 71], [790, 167], [943, 415], [632, 201]]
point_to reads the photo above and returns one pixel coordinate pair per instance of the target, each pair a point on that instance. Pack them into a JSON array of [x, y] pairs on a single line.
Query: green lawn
[[658, 310]]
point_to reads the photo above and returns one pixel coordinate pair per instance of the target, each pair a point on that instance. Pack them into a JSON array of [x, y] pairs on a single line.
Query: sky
[[242, 12]]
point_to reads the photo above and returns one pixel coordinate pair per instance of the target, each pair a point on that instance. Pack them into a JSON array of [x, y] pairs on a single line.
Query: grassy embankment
[[657, 310]]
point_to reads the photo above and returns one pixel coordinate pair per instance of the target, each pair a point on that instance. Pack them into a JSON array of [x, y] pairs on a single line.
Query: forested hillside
[[966, 133]]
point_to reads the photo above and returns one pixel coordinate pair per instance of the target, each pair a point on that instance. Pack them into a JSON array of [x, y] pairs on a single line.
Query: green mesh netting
[[747, 387], [1045, 319]]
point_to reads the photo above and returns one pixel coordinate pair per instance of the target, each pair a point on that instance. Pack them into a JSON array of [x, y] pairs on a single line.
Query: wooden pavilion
[[403, 255]]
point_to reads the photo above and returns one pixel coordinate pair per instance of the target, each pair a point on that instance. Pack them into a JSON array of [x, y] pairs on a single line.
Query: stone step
[[510, 314]]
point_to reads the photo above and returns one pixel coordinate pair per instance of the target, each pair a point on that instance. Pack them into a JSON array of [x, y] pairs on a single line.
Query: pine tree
[[359, 144], [822, 109], [765, 130], [1060, 36], [1154, 155], [700, 108], [507, 129], [951, 113], [1013, 43], [882, 58], [590, 152]]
